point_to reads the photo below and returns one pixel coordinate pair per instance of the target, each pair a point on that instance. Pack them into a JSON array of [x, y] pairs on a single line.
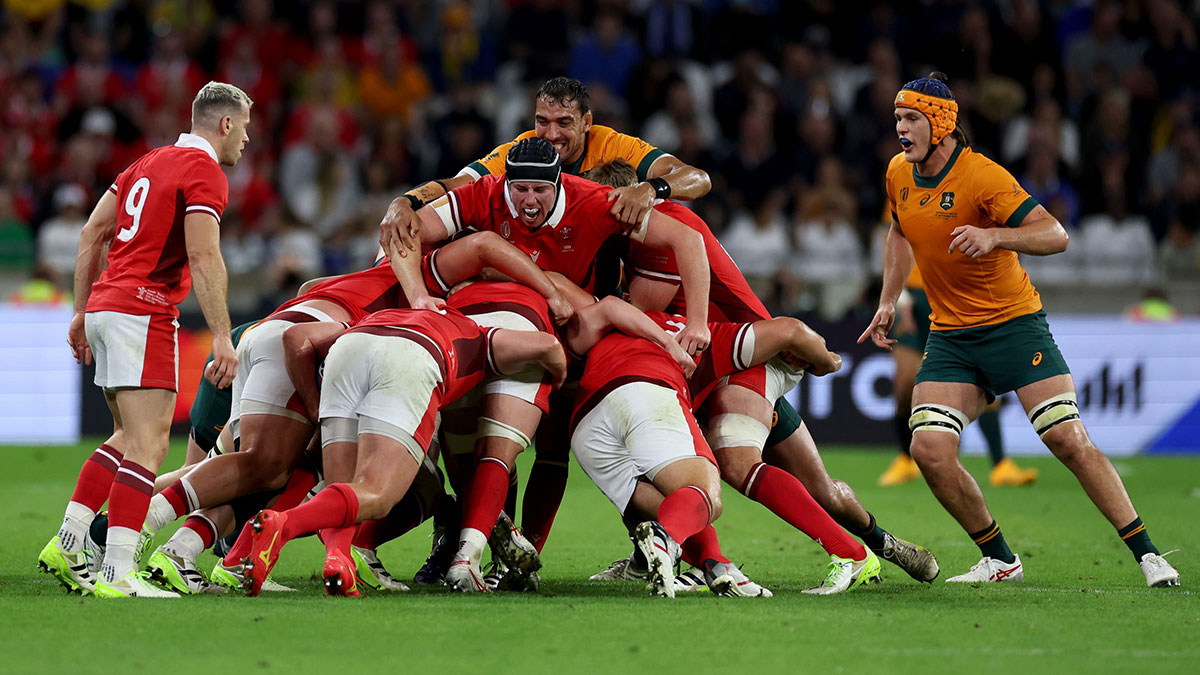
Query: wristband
[[414, 202], [662, 189]]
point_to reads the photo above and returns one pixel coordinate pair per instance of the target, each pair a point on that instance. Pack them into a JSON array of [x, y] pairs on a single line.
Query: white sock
[[160, 514], [185, 543], [76, 522], [470, 545], [118, 558]]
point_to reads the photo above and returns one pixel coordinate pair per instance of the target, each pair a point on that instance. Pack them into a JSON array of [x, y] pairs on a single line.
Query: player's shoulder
[[897, 165]]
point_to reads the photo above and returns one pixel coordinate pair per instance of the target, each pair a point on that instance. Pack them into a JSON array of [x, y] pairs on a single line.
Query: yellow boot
[[902, 470], [1007, 474]]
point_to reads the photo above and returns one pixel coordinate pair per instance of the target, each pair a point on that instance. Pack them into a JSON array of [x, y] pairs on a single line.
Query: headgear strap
[[934, 99]]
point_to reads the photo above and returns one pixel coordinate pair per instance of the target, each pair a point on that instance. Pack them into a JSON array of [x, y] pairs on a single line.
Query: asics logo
[[1001, 575], [1037, 358]]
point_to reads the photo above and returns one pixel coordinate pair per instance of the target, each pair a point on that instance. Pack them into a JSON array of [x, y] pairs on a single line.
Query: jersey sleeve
[[493, 163], [889, 188], [652, 263], [206, 190], [637, 152], [730, 351], [462, 208], [1000, 196]]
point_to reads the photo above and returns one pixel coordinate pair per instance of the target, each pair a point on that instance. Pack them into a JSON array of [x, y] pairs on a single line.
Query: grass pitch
[[1084, 605]]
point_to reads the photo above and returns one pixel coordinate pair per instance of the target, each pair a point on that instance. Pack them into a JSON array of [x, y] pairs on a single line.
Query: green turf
[[1084, 606]]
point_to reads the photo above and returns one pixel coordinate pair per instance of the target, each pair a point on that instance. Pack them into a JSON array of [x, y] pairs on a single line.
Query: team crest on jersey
[[904, 195], [505, 229], [564, 235], [947, 201]]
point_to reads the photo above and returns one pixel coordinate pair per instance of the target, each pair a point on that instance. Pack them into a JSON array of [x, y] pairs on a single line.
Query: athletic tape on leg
[[1053, 412], [497, 429], [734, 430], [934, 417]]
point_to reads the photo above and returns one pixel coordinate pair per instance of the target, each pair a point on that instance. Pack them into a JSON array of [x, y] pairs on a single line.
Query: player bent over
[[964, 219], [384, 382], [762, 446], [161, 217]]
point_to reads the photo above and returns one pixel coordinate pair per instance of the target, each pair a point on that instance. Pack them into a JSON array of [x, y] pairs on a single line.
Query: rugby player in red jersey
[[561, 221], [160, 223], [384, 381], [741, 426], [633, 422], [270, 423]]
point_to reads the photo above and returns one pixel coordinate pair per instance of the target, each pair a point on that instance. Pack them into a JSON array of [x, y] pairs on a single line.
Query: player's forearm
[[1041, 237], [693, 270], [408, 272], [97, 234], [510, 261], [89, 261], [687, 182], [210, 282], [897, 265], [628, 319]]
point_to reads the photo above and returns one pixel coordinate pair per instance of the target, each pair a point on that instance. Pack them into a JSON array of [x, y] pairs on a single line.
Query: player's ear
[[587, 121]]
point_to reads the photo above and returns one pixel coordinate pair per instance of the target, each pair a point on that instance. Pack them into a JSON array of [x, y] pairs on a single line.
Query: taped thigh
[[489, 427], [1053, 412], [734, 430], [937, 417]]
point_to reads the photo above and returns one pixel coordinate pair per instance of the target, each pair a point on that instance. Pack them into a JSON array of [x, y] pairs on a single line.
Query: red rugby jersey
[[619, 359], [359, 293], [729, 296], [462, 349], [147, 269], [482, 297], [566, 243]]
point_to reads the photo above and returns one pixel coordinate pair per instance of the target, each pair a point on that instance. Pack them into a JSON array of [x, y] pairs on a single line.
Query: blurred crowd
[[1094, 107]]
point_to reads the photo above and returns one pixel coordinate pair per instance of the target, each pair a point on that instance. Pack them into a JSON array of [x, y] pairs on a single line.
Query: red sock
[[298, 486], [177, 496], [129, 498], [96, 477], [403, 517], [684, 512], [335, 506], [204, 527], [543, 496], [338, 538], [786, 497], [703, 546], [241, 547], [488, 491]]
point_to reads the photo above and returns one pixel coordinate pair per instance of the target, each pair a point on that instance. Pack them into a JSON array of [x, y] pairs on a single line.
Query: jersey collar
[[556, 216], [194, 141], [931, 182], [576, 167]]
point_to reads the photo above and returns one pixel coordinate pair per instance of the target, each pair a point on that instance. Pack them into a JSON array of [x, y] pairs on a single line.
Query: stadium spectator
[[1118, 247], [318, 181], [58, 238], [606, 55]]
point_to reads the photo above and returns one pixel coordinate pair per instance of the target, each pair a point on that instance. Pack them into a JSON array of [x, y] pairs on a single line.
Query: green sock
[[872, 536], [990, 541], [1137, 539], [989, 424]]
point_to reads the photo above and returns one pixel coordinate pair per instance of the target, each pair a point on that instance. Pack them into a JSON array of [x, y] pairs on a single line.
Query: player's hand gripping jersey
[[970, 190], [147, 269], [568, 241]]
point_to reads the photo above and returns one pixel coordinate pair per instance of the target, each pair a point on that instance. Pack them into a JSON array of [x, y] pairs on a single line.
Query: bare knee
[[1073, 450], [932, 454], [264, 471]]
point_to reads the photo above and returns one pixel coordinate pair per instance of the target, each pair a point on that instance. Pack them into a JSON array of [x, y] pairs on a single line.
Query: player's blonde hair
[[216, 100], [615, 173]]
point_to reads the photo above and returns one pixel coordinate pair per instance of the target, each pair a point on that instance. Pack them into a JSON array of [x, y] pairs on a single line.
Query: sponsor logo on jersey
[[947, 201], [534, 255], [1037, 358], [925, 200]]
